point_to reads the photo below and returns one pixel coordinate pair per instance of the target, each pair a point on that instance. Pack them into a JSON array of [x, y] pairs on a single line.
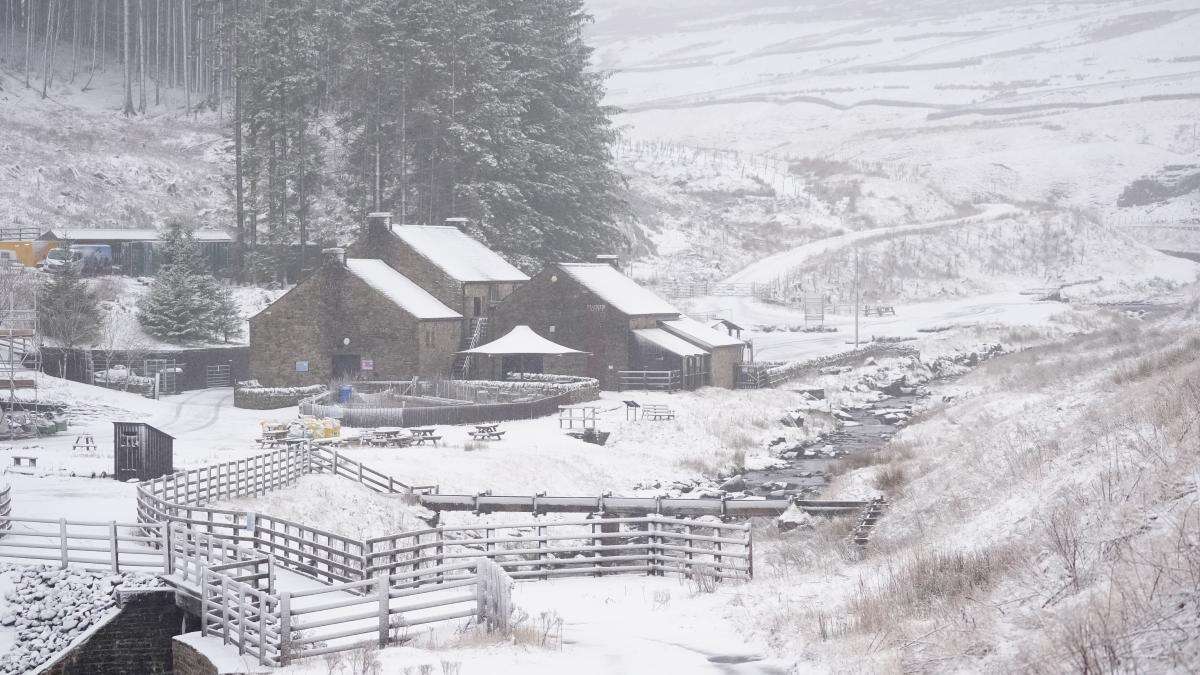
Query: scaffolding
[[20, 341]]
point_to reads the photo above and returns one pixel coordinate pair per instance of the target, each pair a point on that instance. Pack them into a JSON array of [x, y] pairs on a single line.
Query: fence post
[[224, 609], [285, 628], [441, 552], [749, 551], [203, 583], [384, 590], [165, 528], [116, 561], [62, 541], [241, 619], [541, 533]]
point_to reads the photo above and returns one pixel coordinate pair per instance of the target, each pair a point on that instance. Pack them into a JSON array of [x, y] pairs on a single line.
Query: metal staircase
[[462, 362], [20, 357]]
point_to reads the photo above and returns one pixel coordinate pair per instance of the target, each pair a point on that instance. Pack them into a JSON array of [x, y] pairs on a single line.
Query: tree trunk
[[187, 83], [74, 37], [125, 56], [48, 48], [95, 41], [239, 249], [142, 56], [28, 40], [157, 55]]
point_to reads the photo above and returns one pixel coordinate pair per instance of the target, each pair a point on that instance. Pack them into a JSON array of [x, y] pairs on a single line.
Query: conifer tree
[[183, 304]]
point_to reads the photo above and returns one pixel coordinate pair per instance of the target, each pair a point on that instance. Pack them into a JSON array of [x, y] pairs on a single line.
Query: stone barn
[[353, 319], [445, 261], [595, 308], [727, 353]]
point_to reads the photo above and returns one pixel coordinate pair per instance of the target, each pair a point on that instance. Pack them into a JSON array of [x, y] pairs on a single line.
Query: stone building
[[627, 330], [354, 318], [447, 262]]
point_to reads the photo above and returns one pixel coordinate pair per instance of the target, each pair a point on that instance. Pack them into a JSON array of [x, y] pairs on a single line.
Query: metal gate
[[216, 376], [168, 374]]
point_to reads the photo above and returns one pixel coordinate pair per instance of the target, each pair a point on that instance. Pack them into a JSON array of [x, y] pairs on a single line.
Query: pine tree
[[68, 310], [185, 305]]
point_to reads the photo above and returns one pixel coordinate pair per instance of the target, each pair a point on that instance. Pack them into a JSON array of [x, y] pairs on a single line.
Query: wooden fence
[[665, 380], [374, 589]]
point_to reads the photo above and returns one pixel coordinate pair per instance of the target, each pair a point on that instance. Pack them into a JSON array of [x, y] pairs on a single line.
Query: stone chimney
[[379, 222], [610, 259], [335, 255]]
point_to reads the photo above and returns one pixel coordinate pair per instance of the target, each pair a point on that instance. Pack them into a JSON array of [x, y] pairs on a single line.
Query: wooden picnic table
[[487, 432], [425, 435], [395, 436]]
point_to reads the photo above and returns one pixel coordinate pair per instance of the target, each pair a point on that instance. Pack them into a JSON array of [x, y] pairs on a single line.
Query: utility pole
[[857, 293]]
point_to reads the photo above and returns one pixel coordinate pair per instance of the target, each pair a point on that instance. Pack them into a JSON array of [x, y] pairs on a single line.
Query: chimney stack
[[379, 222], [610, 259], [335, 255]]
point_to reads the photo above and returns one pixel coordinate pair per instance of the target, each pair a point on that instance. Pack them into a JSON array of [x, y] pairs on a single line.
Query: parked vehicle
[[82, 259]]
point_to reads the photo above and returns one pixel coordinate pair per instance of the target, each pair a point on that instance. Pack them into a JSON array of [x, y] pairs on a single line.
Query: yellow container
[[28, 253]]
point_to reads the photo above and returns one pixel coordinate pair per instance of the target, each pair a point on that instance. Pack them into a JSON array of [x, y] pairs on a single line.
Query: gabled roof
[[696, 332], [618, 290], [461, 257], [399, 289], [676, 345], [522, 340]]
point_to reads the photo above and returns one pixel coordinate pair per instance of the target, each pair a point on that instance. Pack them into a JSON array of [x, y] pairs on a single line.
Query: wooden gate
[[216, 376], [167, 371]]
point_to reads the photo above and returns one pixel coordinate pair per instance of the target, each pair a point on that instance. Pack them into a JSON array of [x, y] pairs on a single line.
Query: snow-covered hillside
[[1023, 101], [73, 160]]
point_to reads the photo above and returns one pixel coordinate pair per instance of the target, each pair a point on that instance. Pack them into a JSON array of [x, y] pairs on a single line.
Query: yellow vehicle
[[28, 253]]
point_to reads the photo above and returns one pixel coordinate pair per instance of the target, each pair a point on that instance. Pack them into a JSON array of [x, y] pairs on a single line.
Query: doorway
[[477, 306], [346, 366]]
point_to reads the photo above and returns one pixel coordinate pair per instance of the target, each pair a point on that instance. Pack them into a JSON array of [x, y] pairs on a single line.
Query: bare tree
[[128, 109]]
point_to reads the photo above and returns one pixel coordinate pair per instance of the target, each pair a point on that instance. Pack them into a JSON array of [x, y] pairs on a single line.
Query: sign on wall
[[302, 366], [367, 364]]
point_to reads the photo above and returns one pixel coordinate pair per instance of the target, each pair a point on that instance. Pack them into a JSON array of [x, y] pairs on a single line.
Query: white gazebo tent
[[522, 351]]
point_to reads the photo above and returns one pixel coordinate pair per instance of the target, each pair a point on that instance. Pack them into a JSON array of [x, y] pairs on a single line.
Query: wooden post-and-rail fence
[[374, 589]]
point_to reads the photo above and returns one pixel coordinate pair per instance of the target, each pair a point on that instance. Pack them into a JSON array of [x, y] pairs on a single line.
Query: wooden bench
[[487, 432], [426, 438], [21, 460], [657, 412]]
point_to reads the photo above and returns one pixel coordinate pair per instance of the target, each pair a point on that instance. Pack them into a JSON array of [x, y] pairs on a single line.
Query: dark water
[[806, 476]]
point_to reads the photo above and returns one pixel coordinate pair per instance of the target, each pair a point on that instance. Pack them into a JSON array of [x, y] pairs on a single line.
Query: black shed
[[140, 451]]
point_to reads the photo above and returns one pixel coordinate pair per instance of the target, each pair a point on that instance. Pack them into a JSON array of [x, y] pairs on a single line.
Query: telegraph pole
[[857, 293]]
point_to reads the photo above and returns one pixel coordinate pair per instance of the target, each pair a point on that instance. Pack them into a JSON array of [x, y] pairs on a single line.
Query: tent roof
[[671, 343], [522, 340]]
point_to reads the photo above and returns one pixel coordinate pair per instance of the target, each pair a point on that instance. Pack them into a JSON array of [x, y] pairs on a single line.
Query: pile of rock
[[50, 608]]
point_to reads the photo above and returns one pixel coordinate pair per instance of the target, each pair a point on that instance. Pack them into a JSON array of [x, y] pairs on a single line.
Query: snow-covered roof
[[694, 331], [671, 343], [399, 289], [460, 256], [617, 289], [522, 340], [132, 234]]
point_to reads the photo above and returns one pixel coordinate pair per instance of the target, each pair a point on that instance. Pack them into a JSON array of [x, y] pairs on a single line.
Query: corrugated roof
[[130, 234], [617, 289], [399, 289], [694, 331], [457, 254], [672, 343]]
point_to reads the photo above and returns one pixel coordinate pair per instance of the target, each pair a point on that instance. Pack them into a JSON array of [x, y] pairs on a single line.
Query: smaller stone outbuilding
[[353, 319], [726, 353]]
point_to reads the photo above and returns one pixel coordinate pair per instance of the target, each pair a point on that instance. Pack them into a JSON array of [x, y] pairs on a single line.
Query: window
[[428, 337]]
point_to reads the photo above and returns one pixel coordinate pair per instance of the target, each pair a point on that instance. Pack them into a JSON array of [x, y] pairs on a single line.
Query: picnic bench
[[425, 435], [656, 411], [487, 432], [22, 460], [390, 436], [273, 436], [631, 408]]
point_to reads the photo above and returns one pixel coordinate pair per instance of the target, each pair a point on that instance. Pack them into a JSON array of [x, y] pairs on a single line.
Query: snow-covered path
[[773, 267]]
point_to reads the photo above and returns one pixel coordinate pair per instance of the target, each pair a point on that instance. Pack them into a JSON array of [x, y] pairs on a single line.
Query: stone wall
[[724, 364], [335, 313], [273, 398], [137, 641], [556, 306]]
